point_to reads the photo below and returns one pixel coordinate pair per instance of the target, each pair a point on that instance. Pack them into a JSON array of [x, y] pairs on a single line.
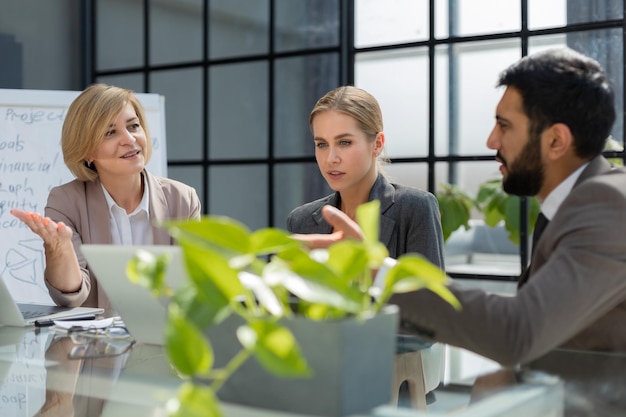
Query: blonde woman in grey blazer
[[409, 219], [106, 145], [347, 127]]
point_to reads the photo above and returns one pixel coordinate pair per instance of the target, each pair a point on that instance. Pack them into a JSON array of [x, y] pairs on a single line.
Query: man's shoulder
[[614, 178]]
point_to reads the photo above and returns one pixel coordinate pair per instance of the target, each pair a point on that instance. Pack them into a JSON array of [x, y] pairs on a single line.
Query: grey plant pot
[[352, 365]]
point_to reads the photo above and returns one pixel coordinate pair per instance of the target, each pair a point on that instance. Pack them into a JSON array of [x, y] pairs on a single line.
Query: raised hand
[[343, 228], [53, 234]]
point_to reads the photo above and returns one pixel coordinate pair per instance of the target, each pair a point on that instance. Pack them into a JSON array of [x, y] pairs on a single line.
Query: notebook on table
[[144, 315], [23, 314]]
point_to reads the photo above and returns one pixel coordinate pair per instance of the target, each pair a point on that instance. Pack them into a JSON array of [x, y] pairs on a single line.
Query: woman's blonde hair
[[354, 102], [89, 118]]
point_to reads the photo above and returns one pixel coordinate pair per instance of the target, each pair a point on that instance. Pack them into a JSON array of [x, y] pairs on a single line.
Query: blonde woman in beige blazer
[[113, 200]]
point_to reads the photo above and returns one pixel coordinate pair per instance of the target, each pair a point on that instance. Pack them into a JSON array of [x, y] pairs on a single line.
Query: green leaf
[[368, 217], [213, 276], [188, 349], [149, 271], [194, 401], [270, 240], [487, 190], [455, 207], [278, 274], [348, 259], [218, 233], [316, 273], [413, 272], [274, 347], [512, 218], [198, 309]]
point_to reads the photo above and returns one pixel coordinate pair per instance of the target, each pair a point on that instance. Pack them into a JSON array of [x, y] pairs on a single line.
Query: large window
[[433, 68], [239, 78]]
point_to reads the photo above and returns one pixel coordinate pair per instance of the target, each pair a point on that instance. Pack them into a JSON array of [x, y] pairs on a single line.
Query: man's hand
[[343, 228]]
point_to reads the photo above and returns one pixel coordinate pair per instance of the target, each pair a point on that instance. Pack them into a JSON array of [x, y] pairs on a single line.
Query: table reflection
[[39, 379]]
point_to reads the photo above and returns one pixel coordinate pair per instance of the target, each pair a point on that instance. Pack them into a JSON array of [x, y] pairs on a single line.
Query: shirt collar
[[553, 201], [144, 204]]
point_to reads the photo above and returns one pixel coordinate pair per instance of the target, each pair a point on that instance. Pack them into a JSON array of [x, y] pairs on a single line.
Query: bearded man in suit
[[551, 126]]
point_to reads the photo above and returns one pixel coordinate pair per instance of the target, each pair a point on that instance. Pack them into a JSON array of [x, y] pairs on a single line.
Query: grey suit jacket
[[82, 206], [576, 291], [409, 219]]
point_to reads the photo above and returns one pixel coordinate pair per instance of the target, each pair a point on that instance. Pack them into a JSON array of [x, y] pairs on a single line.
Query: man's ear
[[558, 141]]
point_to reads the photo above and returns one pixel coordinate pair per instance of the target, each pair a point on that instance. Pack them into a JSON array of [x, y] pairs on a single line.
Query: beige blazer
[[83, 207], [575, 295]]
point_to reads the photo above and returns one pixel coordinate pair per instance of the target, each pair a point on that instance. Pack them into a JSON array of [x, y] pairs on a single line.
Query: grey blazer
[[409, 219], [82, 206], [575, 295]]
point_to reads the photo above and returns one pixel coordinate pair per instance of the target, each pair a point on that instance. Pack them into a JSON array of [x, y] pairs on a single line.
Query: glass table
[[38, 379]]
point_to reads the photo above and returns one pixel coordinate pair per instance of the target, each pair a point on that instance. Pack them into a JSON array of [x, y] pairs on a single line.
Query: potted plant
[[496, 206], [320, 330]]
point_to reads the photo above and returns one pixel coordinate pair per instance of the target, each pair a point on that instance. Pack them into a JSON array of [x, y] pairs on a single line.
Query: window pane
[[469, 176], [306, 24], [412, 174], [467, 99], [191, 176], [399, 81], [543, 14], [119, 37], [238, 27], [40, 45], [605, 46], [183, 110], [298, 84], [581, 11], [378, 22], [175, 31], [130, 81], [294, 185], [240, 192], [481, 249], [558, 13], [238, 116], [469, 17]]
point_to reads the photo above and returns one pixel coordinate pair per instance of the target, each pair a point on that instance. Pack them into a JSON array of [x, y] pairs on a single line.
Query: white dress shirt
[[553, 201], [130, 228]]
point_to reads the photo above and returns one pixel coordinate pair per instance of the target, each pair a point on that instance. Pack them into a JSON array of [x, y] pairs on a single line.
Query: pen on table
[[50, 322]]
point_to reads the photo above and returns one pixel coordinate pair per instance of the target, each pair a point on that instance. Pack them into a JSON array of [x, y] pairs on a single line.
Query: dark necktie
[[540, 225]]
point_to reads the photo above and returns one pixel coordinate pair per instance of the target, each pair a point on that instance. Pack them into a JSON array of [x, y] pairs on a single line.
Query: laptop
[[23, 314], [144, 315]]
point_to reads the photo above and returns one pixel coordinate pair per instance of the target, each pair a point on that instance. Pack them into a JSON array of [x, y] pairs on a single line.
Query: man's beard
[[526, 174]]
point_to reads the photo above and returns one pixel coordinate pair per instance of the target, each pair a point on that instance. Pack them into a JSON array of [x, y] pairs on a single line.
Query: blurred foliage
[[613, 145], [455, 207], [229, 273], [495, 205]]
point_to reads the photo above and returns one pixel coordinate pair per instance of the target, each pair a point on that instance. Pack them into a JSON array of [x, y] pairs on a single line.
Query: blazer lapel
[[597, 166], [324, 227], [158, 210], [385, 193], [98, 214]]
